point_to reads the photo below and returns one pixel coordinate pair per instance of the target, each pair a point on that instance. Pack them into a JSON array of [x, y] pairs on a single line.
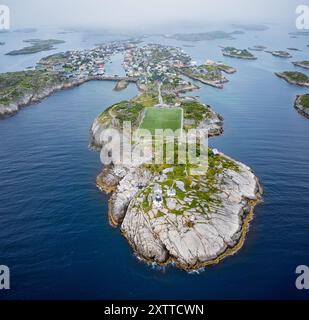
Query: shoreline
[[7, 111]]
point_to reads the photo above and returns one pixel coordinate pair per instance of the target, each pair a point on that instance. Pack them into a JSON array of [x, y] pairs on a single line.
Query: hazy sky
[[142, 13]]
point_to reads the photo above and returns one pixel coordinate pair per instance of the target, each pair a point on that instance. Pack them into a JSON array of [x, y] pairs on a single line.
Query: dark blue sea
[[54, 230]]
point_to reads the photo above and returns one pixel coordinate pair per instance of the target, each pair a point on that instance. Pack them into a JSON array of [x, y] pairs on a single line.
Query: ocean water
[[54, 231]]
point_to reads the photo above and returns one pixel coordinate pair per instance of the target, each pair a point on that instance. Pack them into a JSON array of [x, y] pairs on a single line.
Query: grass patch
[[296, 76], [162, 118], [304, 101]]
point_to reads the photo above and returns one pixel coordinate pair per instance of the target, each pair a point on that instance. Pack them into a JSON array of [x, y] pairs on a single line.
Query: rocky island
[[238, 53], [293, 77], [302, 105], [168, 214]]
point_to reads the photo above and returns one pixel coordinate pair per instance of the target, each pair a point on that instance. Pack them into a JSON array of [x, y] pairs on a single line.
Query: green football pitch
[[162, 118]]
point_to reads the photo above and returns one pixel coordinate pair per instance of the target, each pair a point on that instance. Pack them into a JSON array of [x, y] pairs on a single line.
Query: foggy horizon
[[151, 15]]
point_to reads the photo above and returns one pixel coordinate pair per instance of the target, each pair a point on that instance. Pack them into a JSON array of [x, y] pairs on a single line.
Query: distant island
[[66, 32], [2, 43], [280, 54], [238, 53], [251, 27], [303, 64], [293, 49], [188, 45], [302, 105], [293, 77], [299, 33], [212, 35], [37, 45], [257, 48]]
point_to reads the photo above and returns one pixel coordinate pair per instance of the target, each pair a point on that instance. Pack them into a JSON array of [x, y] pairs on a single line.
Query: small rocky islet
[[280, 54]]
